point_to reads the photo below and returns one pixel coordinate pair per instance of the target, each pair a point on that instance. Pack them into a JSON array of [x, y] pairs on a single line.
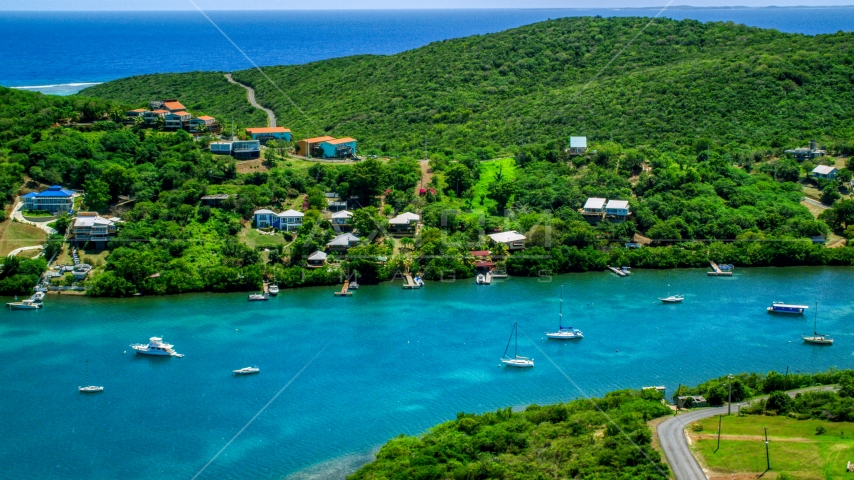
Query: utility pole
[[720, 419], [729, 402], [767, 456], [787, 377]]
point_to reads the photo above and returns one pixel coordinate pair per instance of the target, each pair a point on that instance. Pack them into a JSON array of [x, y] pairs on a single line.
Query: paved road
[[674, 442], [250, 94], [17, 215], [815, 202], [16, 251]]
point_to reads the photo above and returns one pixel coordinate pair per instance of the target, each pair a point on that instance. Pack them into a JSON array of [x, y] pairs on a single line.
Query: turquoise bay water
[[392, 362]]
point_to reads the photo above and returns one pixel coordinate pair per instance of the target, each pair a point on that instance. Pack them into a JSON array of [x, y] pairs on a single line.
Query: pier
[[410, 283], [345, 290], [619, 272], [717, 271]]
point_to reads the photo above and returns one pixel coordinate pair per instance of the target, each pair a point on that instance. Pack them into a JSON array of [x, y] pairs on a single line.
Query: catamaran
[[516, 361], [817, 338], [780, 307], [564, 333]]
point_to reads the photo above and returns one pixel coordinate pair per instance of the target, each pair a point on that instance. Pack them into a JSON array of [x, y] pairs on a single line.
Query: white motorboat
[[246, 371], [32, 303], [273, 289], [564, 333], [516, 360], [673, 299], [480, 279], [258, 297], [89, 388], [155, 346], [817, 338]]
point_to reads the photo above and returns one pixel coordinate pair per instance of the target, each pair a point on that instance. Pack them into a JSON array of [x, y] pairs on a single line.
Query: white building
[[404, 224], [513, 239], [343, 242], [289, 220], [617, 208], [89, 227], [594, 205], [341, 220], [824, 171], [264, 218], [577, 145]]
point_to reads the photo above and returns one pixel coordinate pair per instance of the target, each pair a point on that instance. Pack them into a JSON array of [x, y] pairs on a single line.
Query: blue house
[[54, 199], [338, 148], [288, 220], [265, 134]]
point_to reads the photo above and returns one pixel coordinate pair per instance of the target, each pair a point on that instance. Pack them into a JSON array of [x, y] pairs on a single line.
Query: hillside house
[[54, 200], [807, 153], [577, 145], [198, 122], [338, 148], [404, 224], [617, 210], [513, 239], [265, 134], [170, 104], [310, 147], [593, 210], [316, 259], [343, 242], [239, 149], [341, 221], [150, 117], [91, 228], [176, 120], [288, 220], [824, 171], [215, 200], [264, 218], [136, 113]]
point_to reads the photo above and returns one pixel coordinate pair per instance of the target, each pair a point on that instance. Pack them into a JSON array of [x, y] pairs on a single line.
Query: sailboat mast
[[560, 311], [508, 340], [516, 348], [815, 321]]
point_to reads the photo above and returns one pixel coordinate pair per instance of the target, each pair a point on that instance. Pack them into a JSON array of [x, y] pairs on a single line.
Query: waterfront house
[[55, 199], [807, 153], [343, 242], [513, 239], [91, 228], [264, 218], [310, 147], [404, 224], [215, 200], [265, 134], [239, 149], [341, 220], [338, 148], [288, 220], [617, 210], [577, 145], [824, 171], [317, 259], [176, 120]]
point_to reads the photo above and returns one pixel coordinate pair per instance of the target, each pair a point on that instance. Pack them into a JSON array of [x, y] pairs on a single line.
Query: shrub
[[820, 430], [696, 427]]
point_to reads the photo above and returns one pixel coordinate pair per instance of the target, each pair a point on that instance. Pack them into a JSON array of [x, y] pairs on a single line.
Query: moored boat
[[32, 303], [480, 279], [673, 299], [817, 338], [155, 346], [89, 388], [273, 289], [246, 371], [564, 333], [780, 307], [516, 360], [258, 297]]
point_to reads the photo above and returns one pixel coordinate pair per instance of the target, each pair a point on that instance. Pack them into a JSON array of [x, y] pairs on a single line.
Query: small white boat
[[418, 281], [32, 303], [273, 289], [564, 333], [673, 299], [516, 360], [780, 307], [246, 371], [480, 279], [258, 297], [90, 389], [817, 338], [155, 346]]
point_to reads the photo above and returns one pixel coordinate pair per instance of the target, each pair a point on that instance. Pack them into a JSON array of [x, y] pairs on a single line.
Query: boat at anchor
[[155, 346], [516, 360], [564, 333]]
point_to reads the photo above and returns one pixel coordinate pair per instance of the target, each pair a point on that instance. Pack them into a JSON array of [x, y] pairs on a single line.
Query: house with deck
[[205, 121], [316, 259], [264, 218], [91, 228], [404, 224], [343, 242], [265, 134], [338, 148], [310, 147], [341, 221], [239, 149], [807, 153], [176, 120], [150, 117], [824, 171], [54, 200], [617, 210], [513, 239], [289, 220]]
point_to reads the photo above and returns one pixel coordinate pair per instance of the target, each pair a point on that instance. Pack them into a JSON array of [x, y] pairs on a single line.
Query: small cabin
[[824, 171], [577, 145], [691, 401], [316, 259], [341, 220], [404, 224], [215, 200], [343, 242], [513, 239]]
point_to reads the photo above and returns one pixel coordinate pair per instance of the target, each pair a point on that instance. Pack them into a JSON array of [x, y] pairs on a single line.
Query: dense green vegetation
[[203, 93], [597, 438]]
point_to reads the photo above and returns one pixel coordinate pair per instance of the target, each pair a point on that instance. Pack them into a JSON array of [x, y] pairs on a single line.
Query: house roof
[[182, 113], [205, 117], [339, 141], [318, 139], [484, 264], [174, 106], [343, 240], [824, 169], [217, 196], [342, 214], [577, 142], [594, 203], [253, 130], [617, 204], [263, 211], [404, 218], [290, 213], [480, 253], [138, 110], [318, 255], [54, 191], [504, 237], [160, 111], [91, 220]]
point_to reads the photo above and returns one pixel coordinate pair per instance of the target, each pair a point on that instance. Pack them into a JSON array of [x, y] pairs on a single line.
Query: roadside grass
[[19, 235], [794, 447], [488, 173]]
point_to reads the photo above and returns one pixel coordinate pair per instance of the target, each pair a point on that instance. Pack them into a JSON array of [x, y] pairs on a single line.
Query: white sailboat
[[817, 338], [516, 361], [246, 371], [89, 388], [564, 333]]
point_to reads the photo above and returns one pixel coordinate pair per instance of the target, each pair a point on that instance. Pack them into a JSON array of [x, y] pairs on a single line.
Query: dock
[[345, 290], [717, 271], [410, 283], [618, 271]]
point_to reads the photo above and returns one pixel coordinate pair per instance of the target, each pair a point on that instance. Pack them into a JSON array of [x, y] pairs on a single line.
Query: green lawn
[[255, 239], [19, 235], [488, 173], [793, 445]]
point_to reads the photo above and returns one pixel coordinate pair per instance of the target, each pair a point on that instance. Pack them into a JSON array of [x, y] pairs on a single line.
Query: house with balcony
[[206, 122], [593, 210], [338, 148], [404, 224], [132, 115], [91, 228], [343, 242], [310, 147], [54, 200], [239, 149], [341, 221], [513, 239], [289, 220], [265, 134], [316, 259], [150, 117], [170, 104], [176, 120], [617, 210], [264, 218]]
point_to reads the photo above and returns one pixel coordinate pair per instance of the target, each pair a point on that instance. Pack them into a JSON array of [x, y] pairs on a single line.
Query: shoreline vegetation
[[606, 437], [690, 125]]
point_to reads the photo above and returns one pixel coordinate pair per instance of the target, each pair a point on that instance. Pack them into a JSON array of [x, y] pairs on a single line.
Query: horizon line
[[267, 9]]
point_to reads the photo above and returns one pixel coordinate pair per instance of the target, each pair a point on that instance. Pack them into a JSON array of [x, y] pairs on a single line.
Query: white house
[[341, 220], [343, 242], [289, 220], [265, 218], [594, 205], [404, 224], [617, 208], [317, 259], [513, 239], [824, 171], [89, 227], [577, 145]]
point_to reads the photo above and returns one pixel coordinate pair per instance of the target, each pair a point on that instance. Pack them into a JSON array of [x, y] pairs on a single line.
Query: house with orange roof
[[176, 120], [151, 116], [309, 147], [265, 134], [338, 148], [196, 123]]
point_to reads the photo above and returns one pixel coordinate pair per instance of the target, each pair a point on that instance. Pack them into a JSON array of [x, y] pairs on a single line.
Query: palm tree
[[116, 114], [159, 122]]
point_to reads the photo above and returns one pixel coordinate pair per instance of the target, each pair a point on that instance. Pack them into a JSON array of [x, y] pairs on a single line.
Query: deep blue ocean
[[388, 361], [62, 52]]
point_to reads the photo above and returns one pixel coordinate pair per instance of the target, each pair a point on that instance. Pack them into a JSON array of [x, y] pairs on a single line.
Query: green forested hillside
[[203, 93]]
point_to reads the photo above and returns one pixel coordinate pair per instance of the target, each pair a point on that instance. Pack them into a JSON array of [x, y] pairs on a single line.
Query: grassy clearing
[[251, 237], [19, 235], [489, 171], [793, 445]]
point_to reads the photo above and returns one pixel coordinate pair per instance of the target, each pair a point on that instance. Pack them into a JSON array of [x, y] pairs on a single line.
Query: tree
[[97, 195], [830, 194], [458, 178], [117, 114], [316, 198], [368, 222], [53, 245], [62, 222]]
